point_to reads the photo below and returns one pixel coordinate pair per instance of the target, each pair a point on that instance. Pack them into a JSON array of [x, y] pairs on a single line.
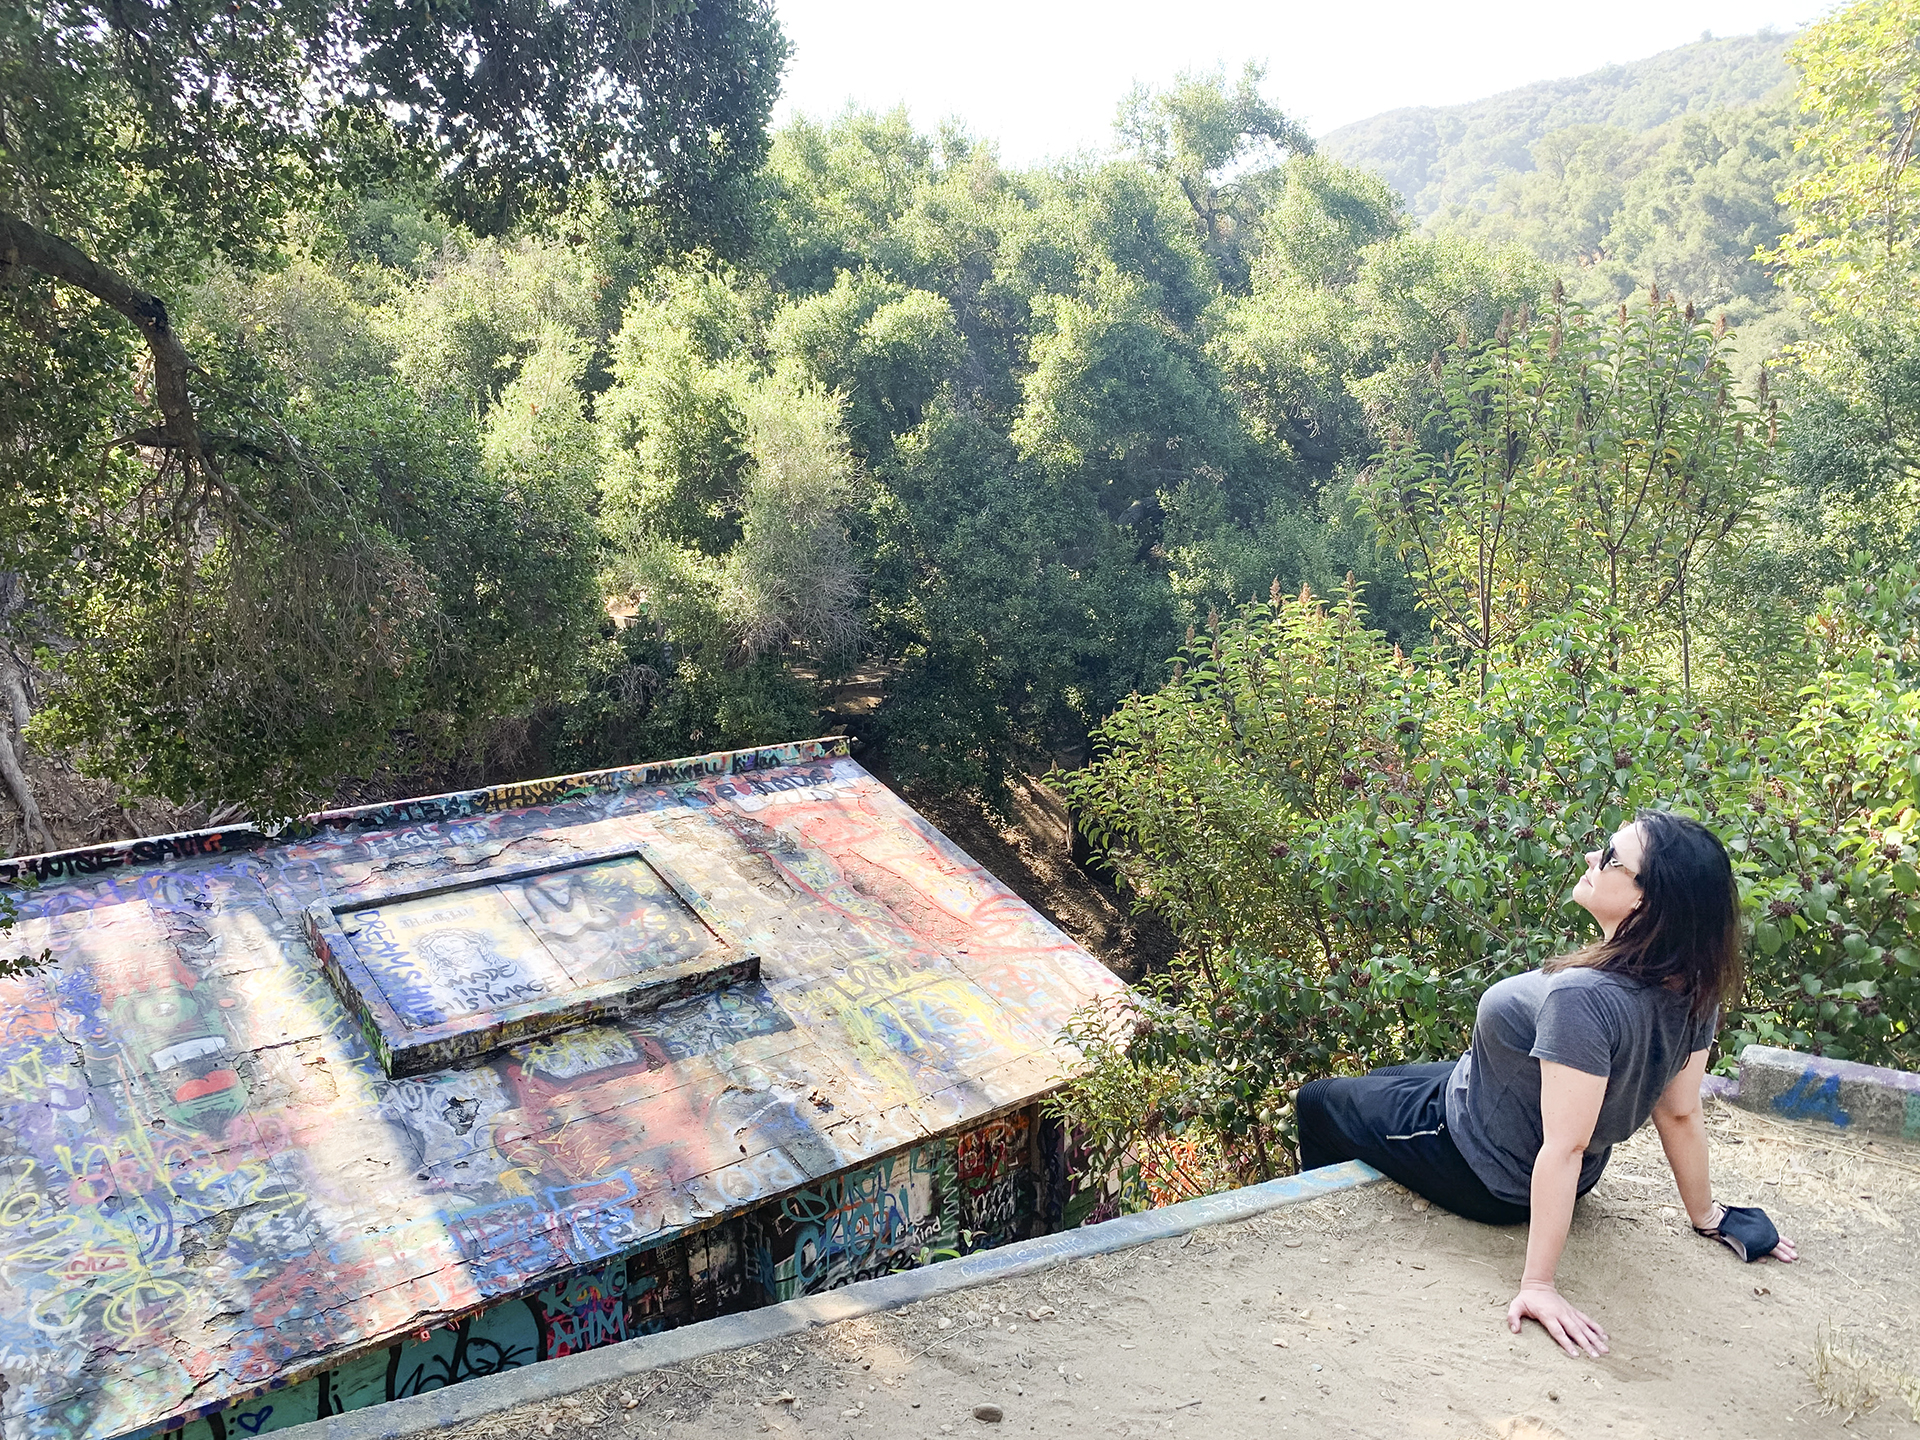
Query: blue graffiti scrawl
[[1813, 1098]]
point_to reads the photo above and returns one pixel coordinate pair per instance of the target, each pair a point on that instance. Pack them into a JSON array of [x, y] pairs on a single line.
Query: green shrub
[[1353, 843]]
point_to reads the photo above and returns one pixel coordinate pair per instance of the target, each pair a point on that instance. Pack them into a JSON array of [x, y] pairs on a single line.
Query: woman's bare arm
[[1569, 1107], [1683, 1136]]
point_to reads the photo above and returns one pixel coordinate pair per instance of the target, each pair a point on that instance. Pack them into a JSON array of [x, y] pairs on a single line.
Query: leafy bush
[[1353, 844]]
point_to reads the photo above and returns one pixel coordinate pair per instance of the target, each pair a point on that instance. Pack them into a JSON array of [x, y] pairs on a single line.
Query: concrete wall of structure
[[992, 1185], [1864, 1098]]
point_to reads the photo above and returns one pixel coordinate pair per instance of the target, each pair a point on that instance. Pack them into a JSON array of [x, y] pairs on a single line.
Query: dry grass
[[1873, 1180], [1857, 1366], [1853, 1376]]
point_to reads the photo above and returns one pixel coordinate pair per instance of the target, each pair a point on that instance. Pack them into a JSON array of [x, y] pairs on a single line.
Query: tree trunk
[[12, 757], [32, 248]]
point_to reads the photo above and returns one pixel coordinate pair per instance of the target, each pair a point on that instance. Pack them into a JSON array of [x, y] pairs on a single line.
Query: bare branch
[[32, 248]]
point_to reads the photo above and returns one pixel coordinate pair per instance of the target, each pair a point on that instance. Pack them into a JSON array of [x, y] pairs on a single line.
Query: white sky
[[1043, 77]]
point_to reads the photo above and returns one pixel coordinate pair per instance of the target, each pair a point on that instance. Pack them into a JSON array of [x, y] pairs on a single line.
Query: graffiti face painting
[[464, 962]]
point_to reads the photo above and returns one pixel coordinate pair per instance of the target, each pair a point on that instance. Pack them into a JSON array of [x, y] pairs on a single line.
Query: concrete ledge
[[488, 1395], [1720, 1087], [1834, 1092]]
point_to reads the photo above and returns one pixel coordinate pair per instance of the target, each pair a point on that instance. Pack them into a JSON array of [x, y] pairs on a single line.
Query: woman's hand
[[1556, 1314], [1783, 1249]]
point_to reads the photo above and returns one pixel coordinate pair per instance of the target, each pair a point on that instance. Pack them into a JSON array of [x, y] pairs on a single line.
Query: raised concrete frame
[[408, 1049], [1848, 1096]]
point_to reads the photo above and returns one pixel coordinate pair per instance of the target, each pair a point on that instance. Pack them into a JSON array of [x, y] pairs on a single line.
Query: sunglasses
[[1610, 861]]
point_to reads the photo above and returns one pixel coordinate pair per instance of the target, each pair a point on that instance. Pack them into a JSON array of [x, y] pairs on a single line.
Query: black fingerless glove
[[1743, 1229]]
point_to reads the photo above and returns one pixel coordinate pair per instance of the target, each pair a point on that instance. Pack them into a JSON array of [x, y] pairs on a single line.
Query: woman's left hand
[[1783, 1249], [1573, 1330]]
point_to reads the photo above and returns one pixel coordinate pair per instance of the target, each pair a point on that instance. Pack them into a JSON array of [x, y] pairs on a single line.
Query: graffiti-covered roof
[[217, 1174]]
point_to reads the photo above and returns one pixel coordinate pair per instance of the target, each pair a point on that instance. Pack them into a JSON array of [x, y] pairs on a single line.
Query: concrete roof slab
[[209, 1186]]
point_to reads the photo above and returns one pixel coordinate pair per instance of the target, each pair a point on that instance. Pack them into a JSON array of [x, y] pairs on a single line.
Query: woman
[[1566, 1061]]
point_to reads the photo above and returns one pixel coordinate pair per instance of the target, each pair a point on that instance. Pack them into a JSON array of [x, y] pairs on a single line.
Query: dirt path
[[1367, 1314]]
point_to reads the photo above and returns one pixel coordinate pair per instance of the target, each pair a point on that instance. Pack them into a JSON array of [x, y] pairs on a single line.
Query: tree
[[130, 129], [143, 147], [1576, 464], [1120, 407], [1208, 140], [1412, 298], [1853, 457], [1666, 461], [675, 427], [1695, 218], [793, 578], [1481, 517], [1325, 217], [887, 348], [1855, 242], [1563, 205], [1852, 256], [725, 504], [408, 581]]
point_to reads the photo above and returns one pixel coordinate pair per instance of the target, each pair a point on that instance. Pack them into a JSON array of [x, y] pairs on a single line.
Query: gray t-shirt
[[1638, 1036]]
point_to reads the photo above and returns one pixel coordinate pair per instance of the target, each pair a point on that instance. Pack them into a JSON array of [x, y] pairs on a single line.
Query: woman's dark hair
[[1685, 932]]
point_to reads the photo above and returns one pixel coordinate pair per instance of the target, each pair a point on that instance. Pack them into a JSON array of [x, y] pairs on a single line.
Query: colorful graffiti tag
[[891, 1215], [441, 972], [218, 1210]]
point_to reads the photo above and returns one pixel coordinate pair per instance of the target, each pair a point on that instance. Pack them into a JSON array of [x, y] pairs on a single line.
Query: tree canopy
[[255, 567], [138, 139], [644, 432], [1855, 242]]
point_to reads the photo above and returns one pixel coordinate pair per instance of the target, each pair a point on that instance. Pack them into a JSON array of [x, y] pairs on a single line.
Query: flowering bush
[[1353, 843]]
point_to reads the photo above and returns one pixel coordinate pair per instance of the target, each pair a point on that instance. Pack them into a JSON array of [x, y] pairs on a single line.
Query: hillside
[[1437, 156]]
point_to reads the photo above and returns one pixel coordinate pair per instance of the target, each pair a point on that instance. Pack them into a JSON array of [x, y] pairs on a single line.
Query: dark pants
[[1395, 1119]]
